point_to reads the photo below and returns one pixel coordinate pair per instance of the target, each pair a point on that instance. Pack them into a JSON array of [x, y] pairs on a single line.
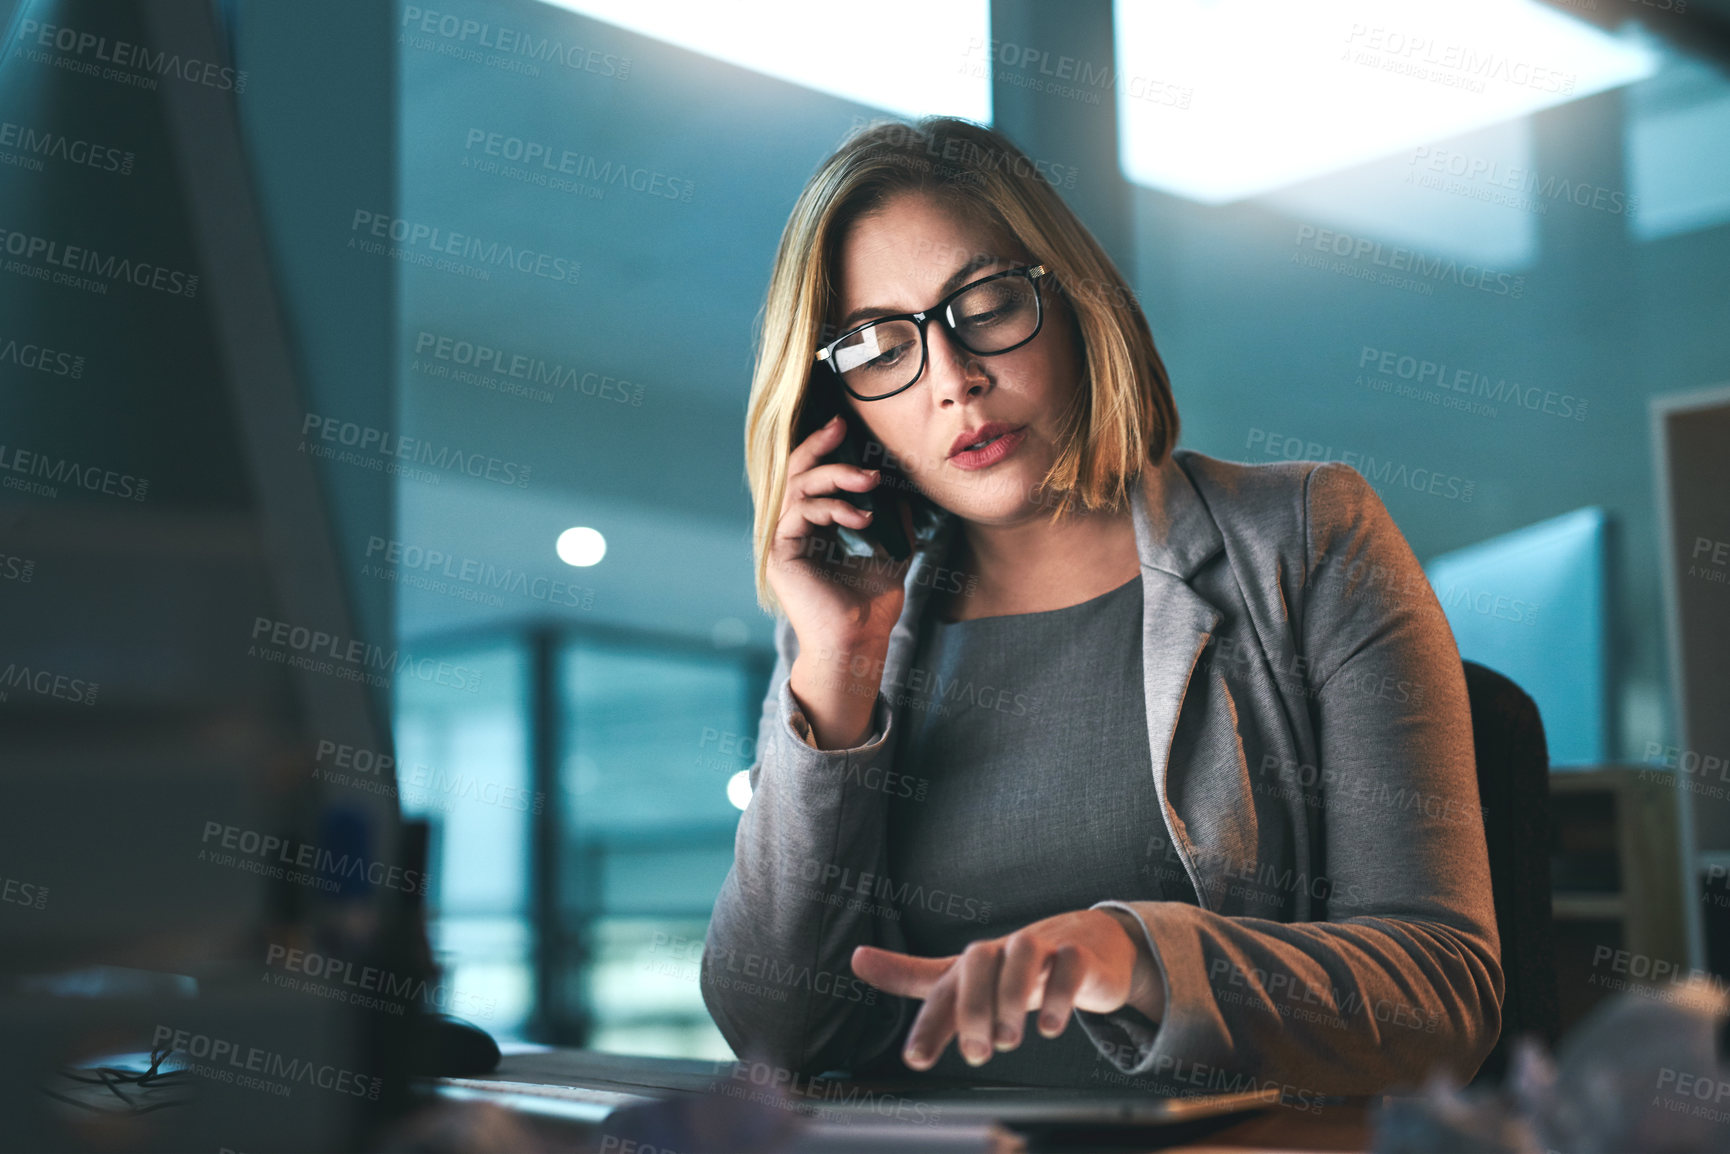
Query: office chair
[[1514, 789]]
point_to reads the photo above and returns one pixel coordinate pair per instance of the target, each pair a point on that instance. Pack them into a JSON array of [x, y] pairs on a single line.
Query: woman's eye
[[979, 320], [886, 359]]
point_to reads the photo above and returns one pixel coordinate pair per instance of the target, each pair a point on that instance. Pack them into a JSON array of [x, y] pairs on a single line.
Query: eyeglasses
[[991, 315]]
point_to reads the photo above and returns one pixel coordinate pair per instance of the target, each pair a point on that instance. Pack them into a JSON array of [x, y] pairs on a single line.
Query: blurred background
[[1475, 249]]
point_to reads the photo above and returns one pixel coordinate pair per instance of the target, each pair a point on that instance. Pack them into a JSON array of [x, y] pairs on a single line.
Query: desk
[[562, 1096]]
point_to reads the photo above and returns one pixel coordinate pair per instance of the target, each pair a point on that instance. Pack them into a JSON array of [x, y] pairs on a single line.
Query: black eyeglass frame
[[940, 313]]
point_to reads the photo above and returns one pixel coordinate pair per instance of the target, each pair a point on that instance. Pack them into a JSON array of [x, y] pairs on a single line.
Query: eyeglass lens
[[989, 318]]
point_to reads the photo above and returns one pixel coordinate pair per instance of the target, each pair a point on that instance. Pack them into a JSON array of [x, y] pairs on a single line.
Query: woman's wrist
[[836, 686], [1146, 986]]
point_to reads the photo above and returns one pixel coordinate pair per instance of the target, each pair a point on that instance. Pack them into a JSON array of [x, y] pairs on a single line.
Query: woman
[[1174, 746]]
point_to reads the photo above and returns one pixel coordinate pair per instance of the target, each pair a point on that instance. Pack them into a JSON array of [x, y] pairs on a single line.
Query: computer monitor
[[1533, 605], [1690, 433], [181, 871]]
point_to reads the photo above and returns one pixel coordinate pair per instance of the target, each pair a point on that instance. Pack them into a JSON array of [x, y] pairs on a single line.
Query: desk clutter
[[1642, 1071]]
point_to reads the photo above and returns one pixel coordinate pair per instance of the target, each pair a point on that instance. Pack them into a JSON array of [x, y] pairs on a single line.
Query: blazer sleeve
[[1404, 975], [776, 971]]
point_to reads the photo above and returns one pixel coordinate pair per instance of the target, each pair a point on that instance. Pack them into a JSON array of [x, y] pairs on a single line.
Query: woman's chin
[[1001, 492], [1002, 508]]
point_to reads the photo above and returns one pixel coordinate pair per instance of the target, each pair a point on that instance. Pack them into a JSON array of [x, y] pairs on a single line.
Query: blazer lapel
[[1175, 534]]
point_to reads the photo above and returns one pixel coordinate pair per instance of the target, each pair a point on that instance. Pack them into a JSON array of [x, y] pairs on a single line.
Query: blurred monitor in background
[[1534, 606]]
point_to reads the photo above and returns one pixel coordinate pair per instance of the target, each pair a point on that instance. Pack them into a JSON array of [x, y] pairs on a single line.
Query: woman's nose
[[955, 372]]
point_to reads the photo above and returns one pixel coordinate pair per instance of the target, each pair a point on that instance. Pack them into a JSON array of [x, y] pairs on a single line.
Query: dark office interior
[[373, 382]]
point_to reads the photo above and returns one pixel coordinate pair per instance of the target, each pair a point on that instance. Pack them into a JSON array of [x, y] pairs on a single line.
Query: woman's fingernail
[[975, 1051], [1007, 1037], [915, 1056], [1050, 1026]]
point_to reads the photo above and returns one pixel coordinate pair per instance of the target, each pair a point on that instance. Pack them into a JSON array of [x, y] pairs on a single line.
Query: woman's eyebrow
[[955, 281]]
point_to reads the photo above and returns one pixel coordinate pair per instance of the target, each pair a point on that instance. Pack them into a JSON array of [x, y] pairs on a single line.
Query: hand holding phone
[[888, 527], [842, 603], [838, 602]]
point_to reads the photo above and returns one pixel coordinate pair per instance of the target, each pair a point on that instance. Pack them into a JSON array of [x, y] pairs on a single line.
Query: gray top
[[1029, 735], [1302, 691]]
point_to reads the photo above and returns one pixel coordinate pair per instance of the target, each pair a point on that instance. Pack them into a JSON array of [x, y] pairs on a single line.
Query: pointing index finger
[[901, 974]]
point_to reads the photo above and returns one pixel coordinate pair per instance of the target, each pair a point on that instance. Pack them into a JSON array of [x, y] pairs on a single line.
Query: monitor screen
[[1531, 604]]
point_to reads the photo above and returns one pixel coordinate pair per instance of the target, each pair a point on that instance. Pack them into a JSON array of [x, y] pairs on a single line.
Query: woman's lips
[[991, 452]]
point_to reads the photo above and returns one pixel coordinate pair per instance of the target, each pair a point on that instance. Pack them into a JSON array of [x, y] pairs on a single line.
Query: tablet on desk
[[1022, 1106], [845, 1115]]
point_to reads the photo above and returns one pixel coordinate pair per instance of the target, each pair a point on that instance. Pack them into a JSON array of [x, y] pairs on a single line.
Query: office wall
[[1587, 316]]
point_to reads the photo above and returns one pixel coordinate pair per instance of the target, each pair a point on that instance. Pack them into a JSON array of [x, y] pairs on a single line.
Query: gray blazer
[[1312, 753]]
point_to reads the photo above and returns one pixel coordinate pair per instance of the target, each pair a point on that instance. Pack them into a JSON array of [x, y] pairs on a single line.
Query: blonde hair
[[1124, 417]]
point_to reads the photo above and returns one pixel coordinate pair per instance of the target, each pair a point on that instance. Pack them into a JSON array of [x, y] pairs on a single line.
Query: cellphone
[[861, 450]]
